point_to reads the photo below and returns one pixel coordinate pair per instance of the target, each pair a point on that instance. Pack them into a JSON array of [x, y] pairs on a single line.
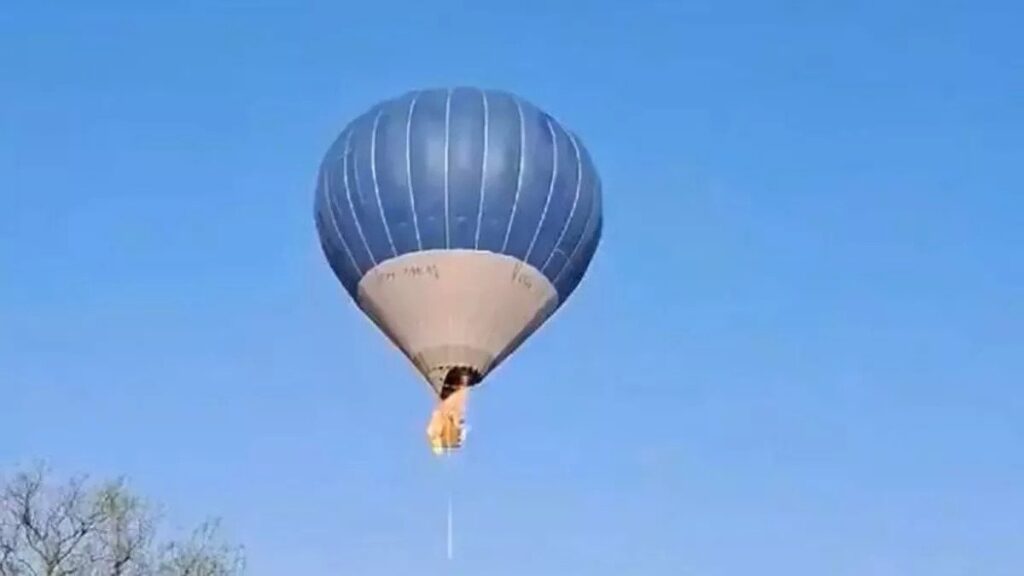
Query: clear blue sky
[[798, 351]]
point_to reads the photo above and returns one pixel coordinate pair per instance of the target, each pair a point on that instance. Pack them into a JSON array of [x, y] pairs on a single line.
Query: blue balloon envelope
[[458, 220]]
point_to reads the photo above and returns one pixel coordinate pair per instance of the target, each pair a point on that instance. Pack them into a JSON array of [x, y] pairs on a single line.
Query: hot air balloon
[[459, 220]]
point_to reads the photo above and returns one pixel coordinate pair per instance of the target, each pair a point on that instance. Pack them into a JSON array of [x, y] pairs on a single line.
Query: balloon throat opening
[[447, 428], [457, 378]]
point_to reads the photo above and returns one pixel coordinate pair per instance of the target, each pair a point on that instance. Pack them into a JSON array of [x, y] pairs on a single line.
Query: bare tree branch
[[76, 529]]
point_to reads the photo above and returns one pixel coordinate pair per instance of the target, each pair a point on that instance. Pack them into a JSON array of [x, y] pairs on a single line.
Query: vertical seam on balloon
[[373, 173], [334, 223], [583, 238], [348, 194], [408, 169], [551, 189], [519, 178], [575, 201], [447, 145], [483, 174]]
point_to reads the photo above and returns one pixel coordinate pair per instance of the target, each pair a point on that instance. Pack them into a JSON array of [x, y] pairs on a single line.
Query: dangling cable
[[450, 523], [448, 479]]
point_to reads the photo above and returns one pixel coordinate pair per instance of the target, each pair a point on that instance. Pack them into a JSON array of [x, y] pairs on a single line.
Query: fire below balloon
[[446, 430]]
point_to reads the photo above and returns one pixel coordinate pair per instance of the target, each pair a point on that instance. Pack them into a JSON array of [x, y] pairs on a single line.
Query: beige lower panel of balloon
[[452, 308]]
